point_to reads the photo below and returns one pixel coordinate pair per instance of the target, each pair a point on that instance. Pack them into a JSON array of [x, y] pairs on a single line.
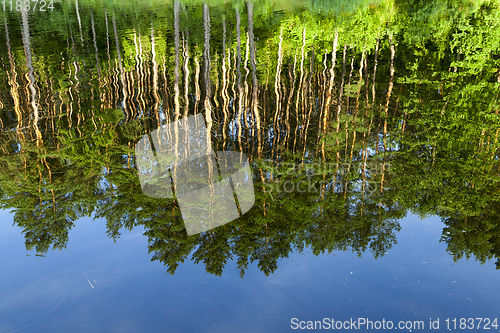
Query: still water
[[371, 132]]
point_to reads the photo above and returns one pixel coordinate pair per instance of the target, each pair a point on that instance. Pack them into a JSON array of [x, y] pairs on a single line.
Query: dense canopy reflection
[[350, 119]]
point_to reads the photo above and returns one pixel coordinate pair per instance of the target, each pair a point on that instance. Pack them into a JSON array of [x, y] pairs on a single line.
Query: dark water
[[371, 131]]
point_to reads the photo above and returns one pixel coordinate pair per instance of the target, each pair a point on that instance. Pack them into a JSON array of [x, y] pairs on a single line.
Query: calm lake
[[365, 135]]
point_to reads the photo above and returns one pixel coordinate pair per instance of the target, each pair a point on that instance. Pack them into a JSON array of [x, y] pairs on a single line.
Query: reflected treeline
[[345, 136]]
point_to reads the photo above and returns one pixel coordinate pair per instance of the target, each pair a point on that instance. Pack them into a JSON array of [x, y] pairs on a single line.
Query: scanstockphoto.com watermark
[[318, 177], [358, 324], [364, 324], [312, 169]]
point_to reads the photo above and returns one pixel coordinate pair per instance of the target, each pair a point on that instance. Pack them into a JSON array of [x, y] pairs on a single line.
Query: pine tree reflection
[[433, 156]]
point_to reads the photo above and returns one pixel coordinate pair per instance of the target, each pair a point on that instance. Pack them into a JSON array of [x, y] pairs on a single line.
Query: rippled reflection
[[348, 124]]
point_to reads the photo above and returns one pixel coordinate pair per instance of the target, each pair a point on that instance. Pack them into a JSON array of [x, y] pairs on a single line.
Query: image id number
[[27, 5], [471, 323]]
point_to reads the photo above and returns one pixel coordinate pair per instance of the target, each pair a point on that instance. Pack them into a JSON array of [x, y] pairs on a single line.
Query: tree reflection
[[335, 167]]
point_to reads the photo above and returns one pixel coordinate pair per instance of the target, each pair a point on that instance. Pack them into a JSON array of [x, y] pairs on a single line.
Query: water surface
[[371, 131]]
